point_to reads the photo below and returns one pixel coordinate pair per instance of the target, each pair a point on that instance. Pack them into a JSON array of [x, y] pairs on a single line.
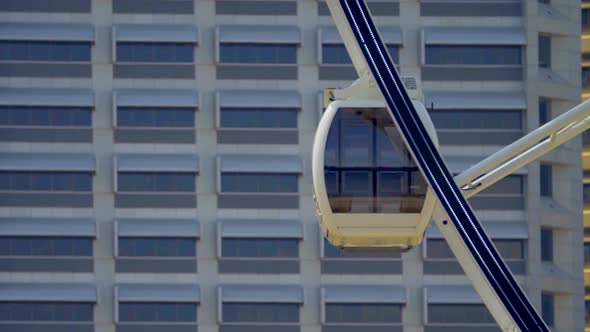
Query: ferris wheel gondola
[[362, 171]]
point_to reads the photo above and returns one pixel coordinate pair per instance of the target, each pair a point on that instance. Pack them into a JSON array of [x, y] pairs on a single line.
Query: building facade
[[155, 164]]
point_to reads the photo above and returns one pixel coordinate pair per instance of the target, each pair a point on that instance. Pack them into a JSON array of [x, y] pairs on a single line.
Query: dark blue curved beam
[[435, 170]]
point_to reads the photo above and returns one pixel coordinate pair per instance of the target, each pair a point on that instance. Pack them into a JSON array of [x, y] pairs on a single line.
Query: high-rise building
[[155, 164]]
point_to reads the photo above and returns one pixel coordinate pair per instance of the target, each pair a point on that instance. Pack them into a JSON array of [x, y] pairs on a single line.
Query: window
[[259, 183], [50, 51], [258, 53], [331, 252], [46, 181], [586, 192], [156, 247], [544, 51], [261, 312], [156, 181], [159, 52], [363, 313], [586, 252], [544, 110], [500, 120], [547, 308], [369, 169], [258, 118], [155, 117], [45, 246], [459, 313], [46, 311], [473, 55], [585, 17], [26, 116], [260, 247], [546, 178], [585, 76], [336, 54], [157, 312], [546, 245], [587, 315]]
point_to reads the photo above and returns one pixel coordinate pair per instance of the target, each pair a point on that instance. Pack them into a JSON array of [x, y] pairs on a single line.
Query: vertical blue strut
[[436, 171]]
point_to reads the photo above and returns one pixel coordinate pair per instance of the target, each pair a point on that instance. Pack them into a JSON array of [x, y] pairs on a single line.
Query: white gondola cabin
[[369, 193]]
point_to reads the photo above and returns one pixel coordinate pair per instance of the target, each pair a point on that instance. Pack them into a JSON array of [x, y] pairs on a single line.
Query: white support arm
[[526, 149]]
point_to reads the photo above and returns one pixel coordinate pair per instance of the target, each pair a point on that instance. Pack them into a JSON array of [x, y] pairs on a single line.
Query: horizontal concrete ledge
[[46, 135], [28, 264], [253, 136], [259, 266], [155, 265], [47, 199], [178, 71], [361, 267], [230, 201], [155, 135], [257, 72], [150, 201], [47, 70]]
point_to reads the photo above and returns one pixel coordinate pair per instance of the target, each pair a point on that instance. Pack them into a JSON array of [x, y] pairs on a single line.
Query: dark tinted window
[[154, 52], [548, 308], [157, 312], [259, 183], [509, 249], [546, 245], [261, 312], [544, 110], [156, 181], [157, 246], [587, 252], [46, 181], [46, 311], [337, 54], [586, 192], [368, 168], [459, 313], [257, 53], [585, 17], [363, 313], [259, 247], [44, 51], [258, 118], [544, 51], [473, 55], [546, 178], [477, 119], [45, 246], [155, 117], [45, 116], [585, 76], [587, 315], [332, 252]]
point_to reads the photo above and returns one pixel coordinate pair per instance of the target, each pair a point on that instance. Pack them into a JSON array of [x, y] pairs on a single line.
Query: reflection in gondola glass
[[367, 166]]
